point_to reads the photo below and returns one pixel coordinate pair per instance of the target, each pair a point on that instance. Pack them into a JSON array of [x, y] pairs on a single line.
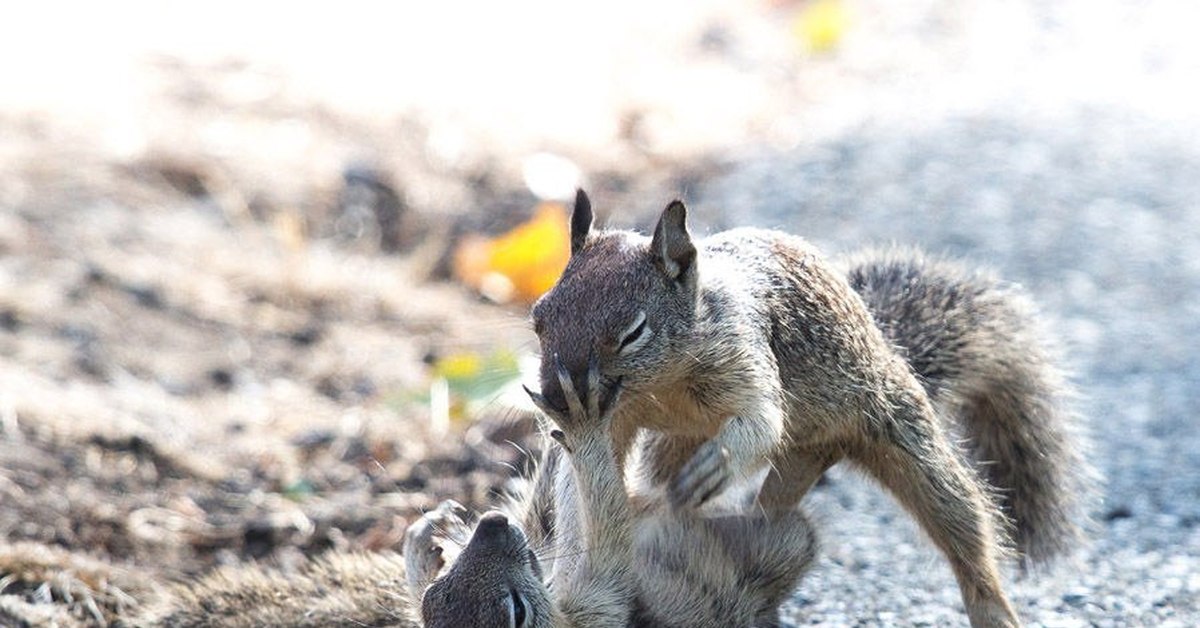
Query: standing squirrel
[[749, 349], [613, 559]]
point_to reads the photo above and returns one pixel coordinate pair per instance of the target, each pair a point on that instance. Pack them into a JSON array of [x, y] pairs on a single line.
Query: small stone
[[1075, 598], [1118, 512]]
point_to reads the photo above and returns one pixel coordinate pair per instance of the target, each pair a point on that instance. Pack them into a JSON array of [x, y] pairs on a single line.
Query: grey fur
[[340, 590]]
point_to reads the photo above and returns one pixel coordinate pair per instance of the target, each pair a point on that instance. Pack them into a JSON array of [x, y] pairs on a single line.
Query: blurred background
[[265, 268]]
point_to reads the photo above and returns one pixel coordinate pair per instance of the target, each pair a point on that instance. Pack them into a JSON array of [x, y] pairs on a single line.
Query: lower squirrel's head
[[496, 582], [625, 299]]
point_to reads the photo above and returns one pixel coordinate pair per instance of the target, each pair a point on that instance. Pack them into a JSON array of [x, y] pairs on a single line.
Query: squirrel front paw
[[586, 411], [702, 478], [423, 558]]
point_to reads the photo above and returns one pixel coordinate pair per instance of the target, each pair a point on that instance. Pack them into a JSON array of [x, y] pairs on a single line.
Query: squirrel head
[[495, 581], [627, 299]]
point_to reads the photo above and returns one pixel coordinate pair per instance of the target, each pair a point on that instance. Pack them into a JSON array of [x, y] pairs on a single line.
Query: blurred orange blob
[[519, 265]]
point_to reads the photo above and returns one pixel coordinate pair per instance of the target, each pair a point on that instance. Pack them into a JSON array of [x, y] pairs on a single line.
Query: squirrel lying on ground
[[612, 560], [752, 350]]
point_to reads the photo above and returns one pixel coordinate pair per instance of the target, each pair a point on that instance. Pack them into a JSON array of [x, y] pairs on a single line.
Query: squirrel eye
[[517, 603], [534, 565], [633, 336]]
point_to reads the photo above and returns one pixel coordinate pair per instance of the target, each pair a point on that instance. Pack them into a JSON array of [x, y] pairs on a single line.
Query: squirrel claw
[[450, 507], [575, 407], [540, 401]]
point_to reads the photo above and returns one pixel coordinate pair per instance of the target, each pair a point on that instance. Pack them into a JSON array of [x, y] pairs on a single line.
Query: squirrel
[[616, 559], [749, 349], [612, 559]]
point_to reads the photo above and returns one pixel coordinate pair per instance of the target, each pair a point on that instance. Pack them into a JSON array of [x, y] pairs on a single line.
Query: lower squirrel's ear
[[581, 220], [672, 244]]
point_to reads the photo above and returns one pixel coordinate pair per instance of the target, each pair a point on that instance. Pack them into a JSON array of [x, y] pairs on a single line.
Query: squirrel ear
[[581, 220], [672, 244]]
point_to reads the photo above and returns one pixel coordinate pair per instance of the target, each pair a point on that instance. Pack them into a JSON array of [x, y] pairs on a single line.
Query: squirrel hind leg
[[922, 470], [773, 553], [754, 562]]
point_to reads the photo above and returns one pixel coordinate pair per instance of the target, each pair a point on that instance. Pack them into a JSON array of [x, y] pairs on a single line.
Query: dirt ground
[[224, 286], [183, 390]]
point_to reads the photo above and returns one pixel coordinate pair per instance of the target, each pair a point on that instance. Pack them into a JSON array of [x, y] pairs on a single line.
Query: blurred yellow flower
[[821, 24], [459, 366]]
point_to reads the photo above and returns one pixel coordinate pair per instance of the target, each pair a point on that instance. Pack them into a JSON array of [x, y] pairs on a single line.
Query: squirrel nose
[[492, 523]]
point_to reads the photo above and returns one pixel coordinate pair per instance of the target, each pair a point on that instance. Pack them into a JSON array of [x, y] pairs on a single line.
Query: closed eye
[[516, 608], [534, 565], [634, 336]]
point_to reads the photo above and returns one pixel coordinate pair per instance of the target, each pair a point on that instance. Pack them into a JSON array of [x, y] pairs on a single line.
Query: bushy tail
[[975, 343]]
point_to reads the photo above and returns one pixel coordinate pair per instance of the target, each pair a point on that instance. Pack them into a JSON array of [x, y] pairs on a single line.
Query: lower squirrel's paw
[[702, 478], [422, 541]]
